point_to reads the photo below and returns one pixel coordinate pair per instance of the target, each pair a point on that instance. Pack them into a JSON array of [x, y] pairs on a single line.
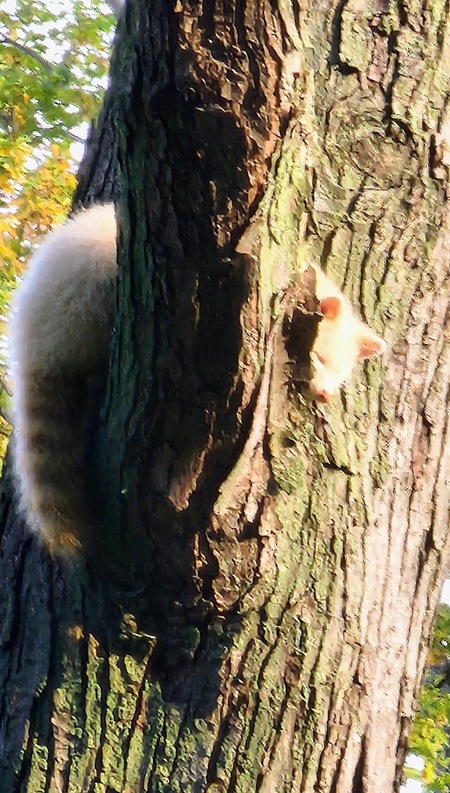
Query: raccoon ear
[[331, 307], [370, 345]]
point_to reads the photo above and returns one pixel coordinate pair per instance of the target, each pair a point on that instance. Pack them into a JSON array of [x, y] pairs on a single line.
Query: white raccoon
[[59, 342], [342, 340]]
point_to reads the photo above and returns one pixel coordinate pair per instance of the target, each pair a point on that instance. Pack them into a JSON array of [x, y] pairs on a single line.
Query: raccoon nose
[[324, 396]]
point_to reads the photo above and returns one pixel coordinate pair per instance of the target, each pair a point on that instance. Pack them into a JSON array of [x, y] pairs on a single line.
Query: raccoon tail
[[50, 429]]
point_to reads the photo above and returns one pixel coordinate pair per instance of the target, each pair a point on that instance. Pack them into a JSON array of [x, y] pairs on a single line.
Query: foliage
[[430, 734], [53, 67]]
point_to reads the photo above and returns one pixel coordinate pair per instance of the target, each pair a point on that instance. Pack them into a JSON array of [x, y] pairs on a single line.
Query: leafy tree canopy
[[430, 733], [53, 70]]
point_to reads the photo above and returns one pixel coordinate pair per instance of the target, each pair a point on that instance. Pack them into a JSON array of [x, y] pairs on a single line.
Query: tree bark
[[257, 612]]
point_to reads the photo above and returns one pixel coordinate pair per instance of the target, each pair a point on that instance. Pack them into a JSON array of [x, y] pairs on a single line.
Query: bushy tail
[[49, 445]]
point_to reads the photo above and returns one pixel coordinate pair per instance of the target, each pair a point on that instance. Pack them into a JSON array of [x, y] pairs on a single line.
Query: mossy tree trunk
[[257, 611]]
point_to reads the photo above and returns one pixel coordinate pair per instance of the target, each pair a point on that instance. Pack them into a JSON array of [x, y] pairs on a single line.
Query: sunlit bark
[[257, 614]]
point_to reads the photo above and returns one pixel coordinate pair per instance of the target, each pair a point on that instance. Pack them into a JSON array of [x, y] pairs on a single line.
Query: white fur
[[340, 342], [61, 301], [59, 341], [60, 328]]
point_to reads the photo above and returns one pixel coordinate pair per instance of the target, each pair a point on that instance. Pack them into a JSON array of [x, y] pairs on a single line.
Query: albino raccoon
[[59, 342], [59, 345], [342, 339]]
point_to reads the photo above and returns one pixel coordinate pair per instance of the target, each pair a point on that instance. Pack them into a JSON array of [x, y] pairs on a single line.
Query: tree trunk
[[257, 613]]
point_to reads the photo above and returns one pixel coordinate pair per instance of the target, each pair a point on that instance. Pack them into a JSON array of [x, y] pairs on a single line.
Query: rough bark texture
[[258, 612]]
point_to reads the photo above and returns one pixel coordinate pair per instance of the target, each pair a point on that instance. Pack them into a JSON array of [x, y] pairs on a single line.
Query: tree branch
[[28, 51], [66, 132], [116, 6]]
